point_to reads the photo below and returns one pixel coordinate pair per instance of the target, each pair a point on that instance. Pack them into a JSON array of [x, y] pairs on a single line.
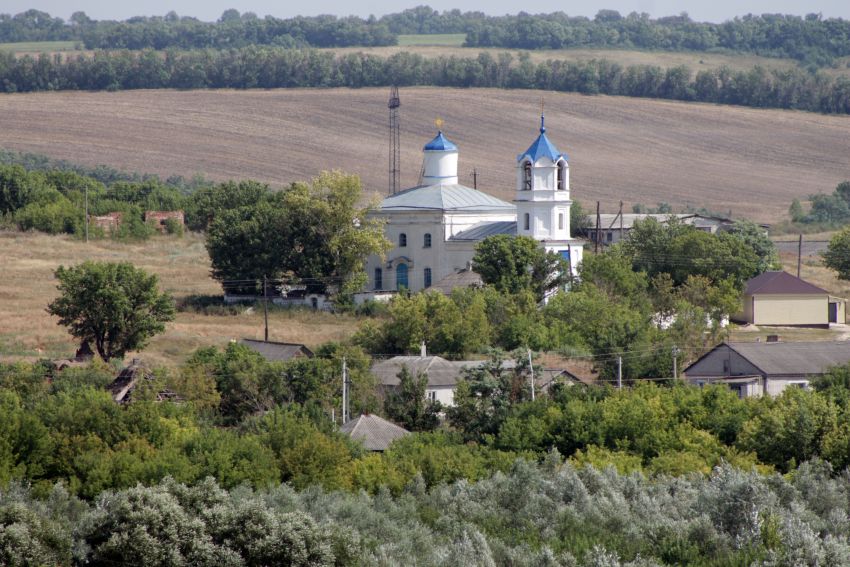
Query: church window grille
[[562, 176], [526, 177], [527, 221], [427, 281], [379, 279], [401, 277], [427, 241], [402, 240]]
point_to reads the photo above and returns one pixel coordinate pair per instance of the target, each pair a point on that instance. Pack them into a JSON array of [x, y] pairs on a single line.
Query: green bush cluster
[[531, 514]]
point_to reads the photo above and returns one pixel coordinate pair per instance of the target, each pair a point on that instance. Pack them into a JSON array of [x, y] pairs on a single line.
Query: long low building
[[755, 369]]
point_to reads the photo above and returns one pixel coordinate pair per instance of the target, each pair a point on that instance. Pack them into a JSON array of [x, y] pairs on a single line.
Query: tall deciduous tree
[[837, 254], [316, 233], [114, 306], [515, 263], [407, 404]]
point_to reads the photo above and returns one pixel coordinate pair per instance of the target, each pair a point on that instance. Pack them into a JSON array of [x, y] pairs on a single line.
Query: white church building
[[435, 226]]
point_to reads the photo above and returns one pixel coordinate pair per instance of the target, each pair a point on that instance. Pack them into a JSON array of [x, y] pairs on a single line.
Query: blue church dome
[[542, 147], [440, 144]]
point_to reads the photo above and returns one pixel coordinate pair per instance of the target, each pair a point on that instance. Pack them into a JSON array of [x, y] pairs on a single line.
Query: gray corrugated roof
[[440, 371], [277, 352], [444, 197], [794, 358], [612, 221], [464, 278], [482, 230], [376, 433], [781, 283]]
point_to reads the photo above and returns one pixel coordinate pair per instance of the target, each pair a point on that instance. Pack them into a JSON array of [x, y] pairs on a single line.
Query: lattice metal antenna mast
[[395, 141]]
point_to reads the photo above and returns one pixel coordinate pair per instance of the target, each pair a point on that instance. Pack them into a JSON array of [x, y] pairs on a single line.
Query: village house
[[758, 368], [435, 226], [443, 375], [778, 298]]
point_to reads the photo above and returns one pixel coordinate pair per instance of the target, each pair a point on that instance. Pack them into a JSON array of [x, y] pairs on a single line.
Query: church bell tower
[[542, 195]]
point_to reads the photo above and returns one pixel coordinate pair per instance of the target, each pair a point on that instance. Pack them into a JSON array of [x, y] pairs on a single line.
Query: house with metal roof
[[435, 226], [758, 368], [443, 375], [376, 433], [779, 298]]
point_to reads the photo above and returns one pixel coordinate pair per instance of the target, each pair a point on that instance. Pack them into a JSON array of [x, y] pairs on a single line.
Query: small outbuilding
[[376, 433], [778, 298]]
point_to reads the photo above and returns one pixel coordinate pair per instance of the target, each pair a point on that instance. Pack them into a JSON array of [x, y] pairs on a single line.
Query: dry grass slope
[[753, 162], [27, 286]]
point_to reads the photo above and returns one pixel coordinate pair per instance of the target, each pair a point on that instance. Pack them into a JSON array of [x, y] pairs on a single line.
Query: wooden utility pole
[[87, 213], [620, 372], [596, 244], [344, 392], [621, 220], [266, 307], [799, 254], [531, 369], [675, 363]]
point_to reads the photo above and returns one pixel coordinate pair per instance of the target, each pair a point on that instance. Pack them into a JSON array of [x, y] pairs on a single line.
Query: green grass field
[[39, 46], [445, 39]]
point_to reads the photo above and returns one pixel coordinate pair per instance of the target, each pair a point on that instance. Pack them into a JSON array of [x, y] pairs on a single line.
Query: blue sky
[[718, 10]]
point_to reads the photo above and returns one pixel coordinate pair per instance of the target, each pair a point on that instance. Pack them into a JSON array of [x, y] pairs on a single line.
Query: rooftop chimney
[[423, 352]]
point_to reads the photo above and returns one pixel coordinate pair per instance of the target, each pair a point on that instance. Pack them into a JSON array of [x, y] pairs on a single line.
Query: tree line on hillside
[[267, 67], [54, 201], [101, 173], [812, 39]]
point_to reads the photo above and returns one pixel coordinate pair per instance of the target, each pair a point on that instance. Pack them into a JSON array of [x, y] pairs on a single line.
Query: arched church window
[[527, 221], [526, 176], [562, 176], [427, 240], [401, 277], [402, 240], [379, 279], [560, 221], [427, 278]]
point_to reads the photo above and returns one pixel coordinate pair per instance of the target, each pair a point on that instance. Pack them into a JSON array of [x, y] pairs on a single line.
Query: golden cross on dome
[[439, 123], [542, 105]]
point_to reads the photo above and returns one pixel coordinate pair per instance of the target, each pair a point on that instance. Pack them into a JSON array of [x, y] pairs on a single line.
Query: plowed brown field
[[750, 161]]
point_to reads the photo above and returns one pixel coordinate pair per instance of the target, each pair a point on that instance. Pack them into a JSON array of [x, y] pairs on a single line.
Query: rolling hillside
[[750, 161]]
